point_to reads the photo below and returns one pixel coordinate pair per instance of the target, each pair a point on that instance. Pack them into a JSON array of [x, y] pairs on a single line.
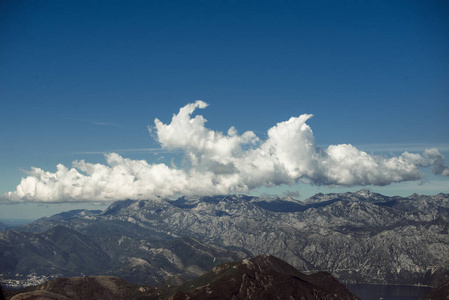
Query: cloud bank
[[218, 163]]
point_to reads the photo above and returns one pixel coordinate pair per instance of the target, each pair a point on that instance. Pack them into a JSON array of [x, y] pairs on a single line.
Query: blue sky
[[82, 78]]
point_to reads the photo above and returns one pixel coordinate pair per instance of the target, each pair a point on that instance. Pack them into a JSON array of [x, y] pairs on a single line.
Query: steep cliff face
[[358, 237]]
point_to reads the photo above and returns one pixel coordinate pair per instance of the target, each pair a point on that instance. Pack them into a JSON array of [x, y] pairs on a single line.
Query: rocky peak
[[365, 193], [263, 277]]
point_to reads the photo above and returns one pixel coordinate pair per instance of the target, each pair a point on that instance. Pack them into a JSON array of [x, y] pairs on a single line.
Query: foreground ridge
[[263, 277]]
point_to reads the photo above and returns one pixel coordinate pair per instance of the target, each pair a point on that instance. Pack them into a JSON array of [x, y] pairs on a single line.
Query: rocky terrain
[[263, 277], [360, 237], [115, 249]]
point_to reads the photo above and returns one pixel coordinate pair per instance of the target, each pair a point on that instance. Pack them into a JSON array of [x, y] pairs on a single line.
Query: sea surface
[[388, 292]]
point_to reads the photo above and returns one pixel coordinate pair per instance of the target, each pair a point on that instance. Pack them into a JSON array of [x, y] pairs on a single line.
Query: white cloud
[[437, 161], [121, 178], [190, 134], [218, 163]]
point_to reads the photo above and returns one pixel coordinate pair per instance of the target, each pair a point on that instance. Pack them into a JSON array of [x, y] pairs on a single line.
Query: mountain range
[[360, 237]]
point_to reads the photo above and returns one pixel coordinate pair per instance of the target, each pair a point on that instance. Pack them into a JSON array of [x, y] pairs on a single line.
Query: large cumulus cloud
[[219, 163]]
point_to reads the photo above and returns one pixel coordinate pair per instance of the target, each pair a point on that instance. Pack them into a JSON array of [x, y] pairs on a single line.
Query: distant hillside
[[124, 250], [77, 213], [359, 237], [263, 277], [59, 250]]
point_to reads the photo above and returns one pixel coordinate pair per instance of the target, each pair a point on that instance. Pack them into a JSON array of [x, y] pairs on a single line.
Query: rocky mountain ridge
[[263, 277], [359, 237]]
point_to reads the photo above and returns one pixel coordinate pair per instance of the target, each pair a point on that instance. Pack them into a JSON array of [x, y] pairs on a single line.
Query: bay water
[[388, 292]]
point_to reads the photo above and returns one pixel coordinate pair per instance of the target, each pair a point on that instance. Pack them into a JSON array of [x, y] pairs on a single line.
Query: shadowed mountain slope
[[116, 248], [263, 277], [59, 250]]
